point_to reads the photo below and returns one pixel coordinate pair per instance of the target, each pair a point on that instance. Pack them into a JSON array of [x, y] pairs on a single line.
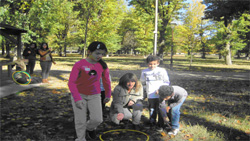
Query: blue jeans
[[173, 114]]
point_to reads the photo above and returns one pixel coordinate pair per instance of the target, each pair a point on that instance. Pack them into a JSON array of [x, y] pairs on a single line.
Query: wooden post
[[19, 46]]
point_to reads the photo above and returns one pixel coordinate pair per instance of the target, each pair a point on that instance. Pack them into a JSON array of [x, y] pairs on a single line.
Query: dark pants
[[30, 67], [154, 111], [103, 97], [45, 65]]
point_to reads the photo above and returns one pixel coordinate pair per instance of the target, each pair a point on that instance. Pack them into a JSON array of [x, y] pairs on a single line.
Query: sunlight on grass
[[209, 64], [117, 66], [217, 116], [197, 132]]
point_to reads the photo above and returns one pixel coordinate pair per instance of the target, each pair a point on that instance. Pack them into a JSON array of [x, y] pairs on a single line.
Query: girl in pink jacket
[[84, 84]]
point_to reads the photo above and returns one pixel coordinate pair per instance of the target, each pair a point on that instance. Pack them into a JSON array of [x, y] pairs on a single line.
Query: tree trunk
[[86, 33], [60, 51], [238, 54], [191, 58], [203, 53], [3, 51], [65, 49], [228, 58], [162, 38], [7, 49]]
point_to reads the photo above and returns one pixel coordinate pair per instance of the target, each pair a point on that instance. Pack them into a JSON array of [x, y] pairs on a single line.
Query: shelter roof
[[11, 30]]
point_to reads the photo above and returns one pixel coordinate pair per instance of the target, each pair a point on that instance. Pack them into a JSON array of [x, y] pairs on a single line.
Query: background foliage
[[127, 26]]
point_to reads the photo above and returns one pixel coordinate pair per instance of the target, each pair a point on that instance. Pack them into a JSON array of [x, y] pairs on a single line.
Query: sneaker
[[173, 132], [159, 129], [91, 134]]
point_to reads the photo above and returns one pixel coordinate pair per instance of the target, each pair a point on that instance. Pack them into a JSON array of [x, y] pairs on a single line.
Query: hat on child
[[165, 91]]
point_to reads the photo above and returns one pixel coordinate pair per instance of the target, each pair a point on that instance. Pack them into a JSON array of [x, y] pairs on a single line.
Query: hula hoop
[[17, 72], [100, 137]]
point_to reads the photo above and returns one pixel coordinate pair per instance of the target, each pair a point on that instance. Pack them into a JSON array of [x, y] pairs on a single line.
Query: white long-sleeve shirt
[[153, 79]]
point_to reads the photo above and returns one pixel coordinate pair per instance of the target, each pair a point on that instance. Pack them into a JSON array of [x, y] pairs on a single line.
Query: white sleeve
[[165, 77]]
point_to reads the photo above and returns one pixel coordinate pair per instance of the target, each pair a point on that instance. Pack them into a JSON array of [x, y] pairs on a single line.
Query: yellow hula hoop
[[100, 137], [16, 72]]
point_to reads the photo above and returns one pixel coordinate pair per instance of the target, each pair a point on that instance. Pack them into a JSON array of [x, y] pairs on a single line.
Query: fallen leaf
[[163, 134], [188, 136], [115, 133], [202, 138]]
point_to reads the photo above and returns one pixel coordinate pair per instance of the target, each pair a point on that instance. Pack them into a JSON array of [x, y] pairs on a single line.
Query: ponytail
[[104, 65]]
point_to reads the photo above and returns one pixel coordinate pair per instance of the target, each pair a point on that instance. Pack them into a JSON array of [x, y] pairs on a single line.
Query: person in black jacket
[[30, 54]]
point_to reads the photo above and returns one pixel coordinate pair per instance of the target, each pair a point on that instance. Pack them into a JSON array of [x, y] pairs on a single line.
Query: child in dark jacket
[[175, 96]]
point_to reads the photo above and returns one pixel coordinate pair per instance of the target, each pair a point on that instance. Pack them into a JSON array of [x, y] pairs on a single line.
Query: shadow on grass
[[37, 114], [229, 133], [59, 74], [178, 67], [227, 97], [228, 110]]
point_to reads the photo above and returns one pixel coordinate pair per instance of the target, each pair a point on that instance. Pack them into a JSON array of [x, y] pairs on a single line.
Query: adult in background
[[30, 54], [46, 61], [128, 94]]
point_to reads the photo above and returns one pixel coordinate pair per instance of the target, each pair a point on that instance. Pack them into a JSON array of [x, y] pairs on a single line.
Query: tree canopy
[[128, 26]]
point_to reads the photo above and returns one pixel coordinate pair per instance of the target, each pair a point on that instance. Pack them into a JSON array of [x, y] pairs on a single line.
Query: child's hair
[[128, 77], [165, 91], [34, 44], [45, 48], [98, 45], [152, 58]]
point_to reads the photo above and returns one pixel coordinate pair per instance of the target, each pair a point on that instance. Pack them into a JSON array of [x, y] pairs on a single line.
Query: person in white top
[[152, 78]]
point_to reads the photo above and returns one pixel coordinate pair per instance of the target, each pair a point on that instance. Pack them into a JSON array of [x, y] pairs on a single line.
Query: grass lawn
[[216, 109]]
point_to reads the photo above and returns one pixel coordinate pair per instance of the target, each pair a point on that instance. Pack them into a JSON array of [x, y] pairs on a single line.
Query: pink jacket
[[85, 79]]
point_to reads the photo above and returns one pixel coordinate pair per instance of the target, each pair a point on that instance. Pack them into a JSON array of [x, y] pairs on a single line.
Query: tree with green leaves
[[226, 11], [88, 11], [237, 39], [191, 28], [106, 26], [167, 11], [62, 18]]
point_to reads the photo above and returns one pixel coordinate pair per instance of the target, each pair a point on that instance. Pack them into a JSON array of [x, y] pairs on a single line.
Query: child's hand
[[157, 92], [168, 108], [54, 62], [106, 100], [120, 116], [79, 104]]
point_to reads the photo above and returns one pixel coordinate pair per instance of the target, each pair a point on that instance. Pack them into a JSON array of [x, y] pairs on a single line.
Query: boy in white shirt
[[152, 78]]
